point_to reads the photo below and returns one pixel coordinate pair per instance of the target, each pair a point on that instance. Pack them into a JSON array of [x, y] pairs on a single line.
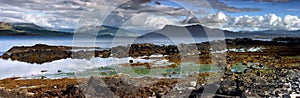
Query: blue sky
[[279, 8]]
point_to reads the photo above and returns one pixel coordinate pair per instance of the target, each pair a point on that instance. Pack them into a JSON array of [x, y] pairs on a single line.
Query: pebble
[[294, 95], [193, 83], [30, 94]]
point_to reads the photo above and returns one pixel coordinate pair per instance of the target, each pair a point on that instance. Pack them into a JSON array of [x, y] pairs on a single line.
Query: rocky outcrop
[[41, 53], [125, 86], [37, 54], [287, 39], [136, 50]]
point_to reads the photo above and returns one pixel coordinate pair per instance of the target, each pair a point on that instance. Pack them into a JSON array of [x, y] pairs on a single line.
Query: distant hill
[[30, 29], [193, 30], [27, 29], [108, 31]]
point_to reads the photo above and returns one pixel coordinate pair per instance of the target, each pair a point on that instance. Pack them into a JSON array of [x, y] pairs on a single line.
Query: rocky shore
[[282, 83], [251, 68], [41, 53]]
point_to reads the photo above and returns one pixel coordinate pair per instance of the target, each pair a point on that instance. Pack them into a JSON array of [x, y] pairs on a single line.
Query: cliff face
[[5, 26]]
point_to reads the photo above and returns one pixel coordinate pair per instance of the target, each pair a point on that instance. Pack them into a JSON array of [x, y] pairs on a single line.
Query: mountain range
[[29, 29]]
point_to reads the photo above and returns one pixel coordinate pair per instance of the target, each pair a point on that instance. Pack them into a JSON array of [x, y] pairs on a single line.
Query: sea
[[7, 42]]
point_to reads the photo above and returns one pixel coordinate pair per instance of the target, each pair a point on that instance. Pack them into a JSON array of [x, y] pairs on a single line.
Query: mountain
[[28, 29], [192, 30], [106, 31], [202, 31]]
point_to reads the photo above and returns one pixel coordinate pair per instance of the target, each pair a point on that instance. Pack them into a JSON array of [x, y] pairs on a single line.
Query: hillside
[[27, 29]]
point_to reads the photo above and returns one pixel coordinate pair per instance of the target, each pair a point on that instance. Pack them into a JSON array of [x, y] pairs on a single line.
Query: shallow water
[[75, 68], [9, 68]]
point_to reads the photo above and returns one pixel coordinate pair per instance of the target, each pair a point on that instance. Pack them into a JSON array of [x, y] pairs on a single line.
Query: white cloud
[[55, 13], [214, 20], [149, 22], [251, 23], [38, 19], [292, 22], [160, 21]]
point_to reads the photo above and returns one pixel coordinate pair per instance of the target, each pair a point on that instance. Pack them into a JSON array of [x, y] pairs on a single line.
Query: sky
[[233, 15]]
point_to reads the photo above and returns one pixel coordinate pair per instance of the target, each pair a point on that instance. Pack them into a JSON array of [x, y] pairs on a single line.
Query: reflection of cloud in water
[[9, 68]]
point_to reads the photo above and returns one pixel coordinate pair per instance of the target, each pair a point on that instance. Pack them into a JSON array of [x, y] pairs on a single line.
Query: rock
[[73, 91], [43, 77], [193, 83], [294, 95], [130, 61], [5, 26], [43, 71], [286, 96], [97, 87], [37, 54], [41, 53], [30, 94]]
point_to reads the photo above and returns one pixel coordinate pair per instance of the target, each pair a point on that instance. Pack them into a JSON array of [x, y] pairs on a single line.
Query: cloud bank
[[251, 23], [66, 13]]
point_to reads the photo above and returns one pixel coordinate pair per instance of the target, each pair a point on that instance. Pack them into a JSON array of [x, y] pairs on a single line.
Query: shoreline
[[52, 53]]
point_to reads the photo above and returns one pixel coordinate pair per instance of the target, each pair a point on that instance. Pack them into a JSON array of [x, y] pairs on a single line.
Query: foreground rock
[[252, 83], [13, 88], [106, 87]]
